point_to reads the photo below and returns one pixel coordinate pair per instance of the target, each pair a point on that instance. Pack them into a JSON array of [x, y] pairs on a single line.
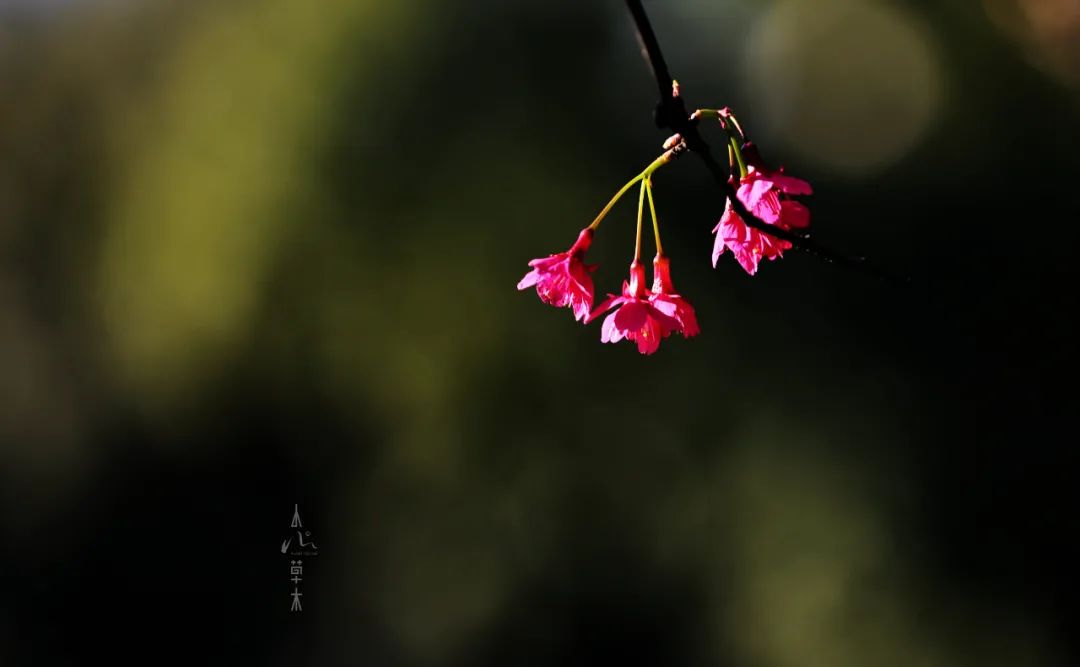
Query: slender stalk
[[656, 164], [618, 195], [640, 207], [655, 221], [734, 147], [648, 171]]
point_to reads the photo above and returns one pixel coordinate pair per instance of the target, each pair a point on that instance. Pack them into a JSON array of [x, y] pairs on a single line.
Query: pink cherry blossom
[[747, 244], [760, 192], [638, 318], [766, 195], [563, 279], [667, 301]]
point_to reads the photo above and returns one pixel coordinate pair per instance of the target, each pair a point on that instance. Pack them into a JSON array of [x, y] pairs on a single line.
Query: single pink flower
[[765, 193], [563, 279], [760, 192], [638, 318], [668, 301], [747, 244]]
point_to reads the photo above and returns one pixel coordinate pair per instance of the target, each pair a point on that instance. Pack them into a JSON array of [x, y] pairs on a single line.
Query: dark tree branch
[[671, 114], [653, 56]]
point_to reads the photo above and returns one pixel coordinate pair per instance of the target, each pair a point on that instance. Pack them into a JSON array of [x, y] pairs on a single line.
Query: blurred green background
[[255, 253]]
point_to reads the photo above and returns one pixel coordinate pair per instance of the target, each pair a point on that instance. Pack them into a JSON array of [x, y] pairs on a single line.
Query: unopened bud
[[672, 141]]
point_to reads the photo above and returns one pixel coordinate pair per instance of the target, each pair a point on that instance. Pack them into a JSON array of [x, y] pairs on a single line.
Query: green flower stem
[[640, 208], [725, 117], [656, 164], [738, 156], [655, 221], [618, 195]]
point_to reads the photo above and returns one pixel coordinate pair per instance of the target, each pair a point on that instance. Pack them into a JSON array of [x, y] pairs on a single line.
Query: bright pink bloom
[[760, 192], [765, 194], [563, 279], [746, 243], [671, 303], [638, 318]]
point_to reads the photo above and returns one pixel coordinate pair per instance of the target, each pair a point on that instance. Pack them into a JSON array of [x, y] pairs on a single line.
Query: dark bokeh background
[[260, 253]]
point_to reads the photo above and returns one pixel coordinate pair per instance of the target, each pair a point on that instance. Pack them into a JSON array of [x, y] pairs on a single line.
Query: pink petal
[[631, 316], [747, 260], [666, 324], [790, 185], [768, 207], [725, 229], [529, 280], [648, 336], [684, 316], [794, 214], [546, 262], [581, 307], [718, 244], [604, 305], [751, 191], [688, 319], [580, 276], [552, 289], [609, 333], [665, 306]]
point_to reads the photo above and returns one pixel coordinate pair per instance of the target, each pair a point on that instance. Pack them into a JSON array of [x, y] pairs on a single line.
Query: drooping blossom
[[747, 244], [637, 317], [766, 195], [563, 279], [669, 302]]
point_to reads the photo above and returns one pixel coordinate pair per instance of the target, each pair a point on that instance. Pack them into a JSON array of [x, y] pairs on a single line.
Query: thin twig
[[671, 114]]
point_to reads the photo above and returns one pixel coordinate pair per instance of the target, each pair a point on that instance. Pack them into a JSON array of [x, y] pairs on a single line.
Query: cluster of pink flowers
[[766, 195], [642, 315], [646, 316]]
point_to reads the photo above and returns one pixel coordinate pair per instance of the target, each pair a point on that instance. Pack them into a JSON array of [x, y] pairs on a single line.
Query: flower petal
[[604, 305], [664, 304], [747, 259], [529, 280], [546, 262], [688, 320], [718, 244], [752, 189], [648, 336], [794, 214], [609, 333], [631, 316], [580, 306], [789, 184]]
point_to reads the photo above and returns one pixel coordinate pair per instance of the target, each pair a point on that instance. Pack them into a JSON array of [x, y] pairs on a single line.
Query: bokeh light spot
[[851, 85]]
